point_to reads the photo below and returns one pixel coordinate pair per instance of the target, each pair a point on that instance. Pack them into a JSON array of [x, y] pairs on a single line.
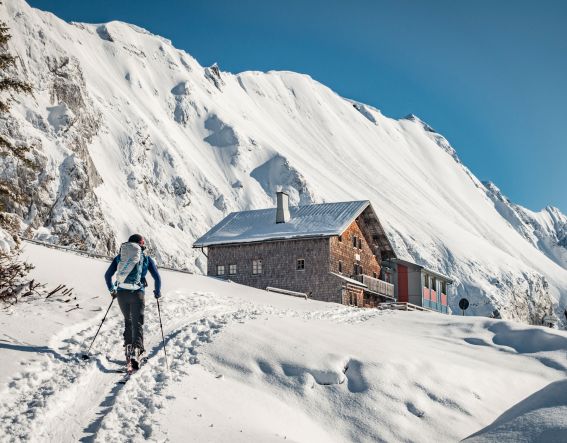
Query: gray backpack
[[130, 263]]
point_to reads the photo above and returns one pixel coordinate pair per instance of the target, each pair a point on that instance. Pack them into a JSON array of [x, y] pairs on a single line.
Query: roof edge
[[425, 268]]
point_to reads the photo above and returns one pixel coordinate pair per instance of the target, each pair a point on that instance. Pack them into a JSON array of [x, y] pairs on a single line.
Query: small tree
[[14, 283], [8, 84], [13, 271]]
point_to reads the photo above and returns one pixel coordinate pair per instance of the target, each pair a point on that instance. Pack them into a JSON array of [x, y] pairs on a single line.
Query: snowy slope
[[546, 230], [130, 134], [540, 417], [249, 365]]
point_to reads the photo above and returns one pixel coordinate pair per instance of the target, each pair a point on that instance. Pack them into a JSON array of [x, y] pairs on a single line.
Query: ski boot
[[136, 358], [129, 359]]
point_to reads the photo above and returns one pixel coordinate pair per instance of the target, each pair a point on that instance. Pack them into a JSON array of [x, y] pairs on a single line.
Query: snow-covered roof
[[320, 220]]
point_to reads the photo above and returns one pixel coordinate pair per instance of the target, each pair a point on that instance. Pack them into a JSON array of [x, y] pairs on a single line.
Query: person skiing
[[131, 266]]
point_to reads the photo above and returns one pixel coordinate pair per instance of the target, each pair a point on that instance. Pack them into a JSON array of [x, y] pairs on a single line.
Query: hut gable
[[351, 254]]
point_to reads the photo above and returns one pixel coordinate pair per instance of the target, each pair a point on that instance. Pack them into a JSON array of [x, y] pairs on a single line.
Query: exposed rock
[[214, 75]]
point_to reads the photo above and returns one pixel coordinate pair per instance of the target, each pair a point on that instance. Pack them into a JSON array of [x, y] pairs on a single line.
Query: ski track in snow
[[50, 398], [60, 385]]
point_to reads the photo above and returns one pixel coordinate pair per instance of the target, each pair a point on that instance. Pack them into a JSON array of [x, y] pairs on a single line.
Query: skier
[[131, 266]]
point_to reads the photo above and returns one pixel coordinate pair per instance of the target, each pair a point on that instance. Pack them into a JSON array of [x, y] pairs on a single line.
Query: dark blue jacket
[[148, 265]]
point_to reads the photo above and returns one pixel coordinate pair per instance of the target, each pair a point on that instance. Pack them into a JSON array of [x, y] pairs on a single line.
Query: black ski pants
[[132, 304]]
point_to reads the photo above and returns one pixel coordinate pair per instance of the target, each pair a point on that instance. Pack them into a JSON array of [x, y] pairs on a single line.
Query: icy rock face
[[125, 133], [546, 230], [214, 75], [55, 191], [7, 242]]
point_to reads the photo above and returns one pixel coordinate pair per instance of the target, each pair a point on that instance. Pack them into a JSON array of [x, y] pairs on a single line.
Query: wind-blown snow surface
[[137, 136], [249, 365]]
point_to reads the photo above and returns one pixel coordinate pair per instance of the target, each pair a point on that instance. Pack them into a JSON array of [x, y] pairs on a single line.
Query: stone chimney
[[282, 211]]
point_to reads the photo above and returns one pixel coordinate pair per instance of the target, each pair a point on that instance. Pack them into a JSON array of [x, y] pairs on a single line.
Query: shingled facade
[[331, 252]]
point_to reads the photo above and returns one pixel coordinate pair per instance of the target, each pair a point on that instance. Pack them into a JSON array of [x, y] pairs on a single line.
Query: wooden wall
[[344, 251], [279, 261]]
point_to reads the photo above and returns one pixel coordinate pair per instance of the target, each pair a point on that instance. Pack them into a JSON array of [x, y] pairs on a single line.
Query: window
[[340, 238], [426, 281], [232, 269], [374, 275], [444, 287], [357, 269], [354, 241], [300, 266], [433, 283], [340, 267], [359, 243], [220, 269], [256, 266]]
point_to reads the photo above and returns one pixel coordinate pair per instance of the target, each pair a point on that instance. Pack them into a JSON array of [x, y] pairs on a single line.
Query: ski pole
[[86, 356], [162, 337]]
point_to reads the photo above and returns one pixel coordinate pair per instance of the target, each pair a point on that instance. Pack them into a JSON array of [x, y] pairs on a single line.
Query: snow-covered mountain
[[546, 230], [126, 133]]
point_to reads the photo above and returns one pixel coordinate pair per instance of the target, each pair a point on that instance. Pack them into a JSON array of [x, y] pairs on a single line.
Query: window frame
[[230, 268], [257, 266], [219, 267], [297, 264]]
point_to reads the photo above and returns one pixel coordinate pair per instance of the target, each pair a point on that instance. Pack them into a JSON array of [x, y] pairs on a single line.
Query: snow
[[7, 242], [138, 137], [250, 365], [306, 221], [541, 417]]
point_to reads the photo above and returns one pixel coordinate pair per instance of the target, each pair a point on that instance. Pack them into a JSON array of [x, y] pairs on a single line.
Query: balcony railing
[[376, 285]]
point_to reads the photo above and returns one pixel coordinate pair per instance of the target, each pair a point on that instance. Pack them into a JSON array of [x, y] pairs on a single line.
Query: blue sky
[[489, 75]]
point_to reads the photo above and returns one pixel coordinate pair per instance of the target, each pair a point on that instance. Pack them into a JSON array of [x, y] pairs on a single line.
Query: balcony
[[376, 285]]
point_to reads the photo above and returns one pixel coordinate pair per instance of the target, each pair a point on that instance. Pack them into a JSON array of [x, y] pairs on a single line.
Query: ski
[[131, 368], [124, 379]]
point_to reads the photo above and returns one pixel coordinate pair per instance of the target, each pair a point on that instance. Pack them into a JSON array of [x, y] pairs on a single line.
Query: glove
[[113, 293], [157, 294]]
